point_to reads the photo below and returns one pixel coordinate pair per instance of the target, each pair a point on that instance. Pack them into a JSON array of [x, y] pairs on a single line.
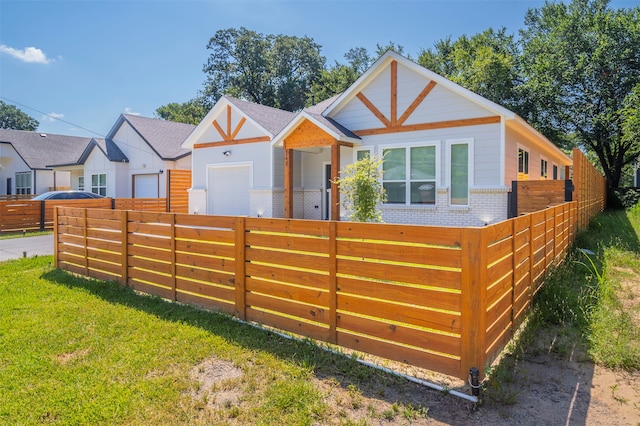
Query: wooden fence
[[29, 215], [178, 182], [445, 299], [590, 188]]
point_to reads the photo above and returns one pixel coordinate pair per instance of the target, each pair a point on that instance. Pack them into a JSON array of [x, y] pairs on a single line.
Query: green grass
[[80, 351], [10, 235]]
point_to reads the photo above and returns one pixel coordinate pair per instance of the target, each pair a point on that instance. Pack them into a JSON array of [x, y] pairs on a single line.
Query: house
[[24, 159], [131, 161], [450, 155]]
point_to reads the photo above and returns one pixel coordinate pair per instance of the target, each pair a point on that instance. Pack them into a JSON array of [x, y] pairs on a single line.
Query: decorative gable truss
[[395, 124], [230, 132]]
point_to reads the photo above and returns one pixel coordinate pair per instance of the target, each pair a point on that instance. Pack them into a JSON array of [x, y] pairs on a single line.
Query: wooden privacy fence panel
[[590, 188], [535, 195], [444, 299], [140, 204], [178, 183], [30, 215]]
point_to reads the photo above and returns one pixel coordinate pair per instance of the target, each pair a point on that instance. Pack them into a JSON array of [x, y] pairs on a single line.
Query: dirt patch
[[216, 383]]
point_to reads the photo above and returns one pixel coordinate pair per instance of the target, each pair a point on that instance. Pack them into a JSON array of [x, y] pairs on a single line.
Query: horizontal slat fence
[[140, 204], [30, 215], [178, 184], [445, 299]]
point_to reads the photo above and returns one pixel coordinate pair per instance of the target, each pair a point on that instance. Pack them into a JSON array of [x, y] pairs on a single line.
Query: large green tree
[[273, 70], [337, 78], [11, 117], [485, 63], [191, 112], [581, 62]]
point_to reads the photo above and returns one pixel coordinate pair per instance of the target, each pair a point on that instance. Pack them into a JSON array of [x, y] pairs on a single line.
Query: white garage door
[[228, 190], [145, 186]]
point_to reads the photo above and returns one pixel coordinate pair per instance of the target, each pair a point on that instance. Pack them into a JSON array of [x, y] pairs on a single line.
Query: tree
[[11, 117], [485, 63], [191, 112], [362, 189], [581, 61], [340, 77], [272, 70]]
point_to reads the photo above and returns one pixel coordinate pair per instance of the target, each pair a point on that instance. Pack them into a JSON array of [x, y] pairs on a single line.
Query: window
[[23, 183], [80, 183], [543, 169], [99, 184], [555, 172], [409, 175], [459, 155], [523, 164], [361, 154]]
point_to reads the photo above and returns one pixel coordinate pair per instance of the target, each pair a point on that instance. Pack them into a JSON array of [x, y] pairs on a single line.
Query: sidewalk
[[14, 248]]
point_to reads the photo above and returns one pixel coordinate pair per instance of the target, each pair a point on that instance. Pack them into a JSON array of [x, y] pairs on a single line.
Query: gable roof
[[108, 148], [164, 137], [38, 150], [268, 119], [510, 118], [389, 56]]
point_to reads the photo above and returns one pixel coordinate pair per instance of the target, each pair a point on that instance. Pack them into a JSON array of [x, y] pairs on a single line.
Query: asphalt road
[[14, 248]]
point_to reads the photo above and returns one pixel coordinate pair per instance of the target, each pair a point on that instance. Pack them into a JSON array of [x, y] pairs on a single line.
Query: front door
[[326, 193]]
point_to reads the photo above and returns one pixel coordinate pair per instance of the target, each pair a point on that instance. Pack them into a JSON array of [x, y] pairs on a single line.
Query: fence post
[[172, 237], [473, 304], [240, 229], [124, 246], [333, 283], [42, 215], [55, 237], [85, 242]]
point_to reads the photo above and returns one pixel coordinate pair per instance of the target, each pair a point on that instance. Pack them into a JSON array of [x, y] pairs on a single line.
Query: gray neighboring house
[[25, 158], [131, 161]]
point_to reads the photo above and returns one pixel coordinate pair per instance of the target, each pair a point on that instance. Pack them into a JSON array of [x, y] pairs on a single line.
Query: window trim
[[24, 189], [546, 162], [470, 167], [528, 164], [407, 146], [106, 184], [368, 149]]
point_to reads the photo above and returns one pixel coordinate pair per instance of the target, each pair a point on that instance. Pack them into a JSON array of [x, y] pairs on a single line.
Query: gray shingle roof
[[39, 150], [164, 137], [271, 119]]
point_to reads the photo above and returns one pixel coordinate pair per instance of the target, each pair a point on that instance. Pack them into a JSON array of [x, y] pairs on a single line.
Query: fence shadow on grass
[[344, 370]]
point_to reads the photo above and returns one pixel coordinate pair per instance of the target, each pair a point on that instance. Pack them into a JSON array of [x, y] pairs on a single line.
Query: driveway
[[14, 248]]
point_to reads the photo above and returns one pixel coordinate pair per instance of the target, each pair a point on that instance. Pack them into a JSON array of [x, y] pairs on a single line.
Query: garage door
[[145, 186], [228, 190]]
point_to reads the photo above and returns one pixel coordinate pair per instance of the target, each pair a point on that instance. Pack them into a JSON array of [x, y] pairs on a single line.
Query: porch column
[[335, 189], [288, 183]]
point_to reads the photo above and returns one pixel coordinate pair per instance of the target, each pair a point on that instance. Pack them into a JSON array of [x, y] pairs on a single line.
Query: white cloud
[[51, 117], [29, 54], [128, 110]]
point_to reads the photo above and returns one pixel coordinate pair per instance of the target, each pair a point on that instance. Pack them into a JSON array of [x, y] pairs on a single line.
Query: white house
[[131, 161], [450, 154], [24, 159]]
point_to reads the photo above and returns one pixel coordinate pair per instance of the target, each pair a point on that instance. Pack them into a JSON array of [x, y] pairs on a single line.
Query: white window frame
[[546, 163], [407, 147], [99, 187], [22, 188], [80, 183], [368, 149], [528, 151], [470, 170]]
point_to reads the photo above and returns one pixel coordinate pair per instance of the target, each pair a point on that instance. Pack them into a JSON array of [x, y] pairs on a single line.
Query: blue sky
[[86, 62]]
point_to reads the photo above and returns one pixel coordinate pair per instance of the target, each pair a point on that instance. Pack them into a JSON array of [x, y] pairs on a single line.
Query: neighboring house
[[24, 159], [450, 154], [131, 161]]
